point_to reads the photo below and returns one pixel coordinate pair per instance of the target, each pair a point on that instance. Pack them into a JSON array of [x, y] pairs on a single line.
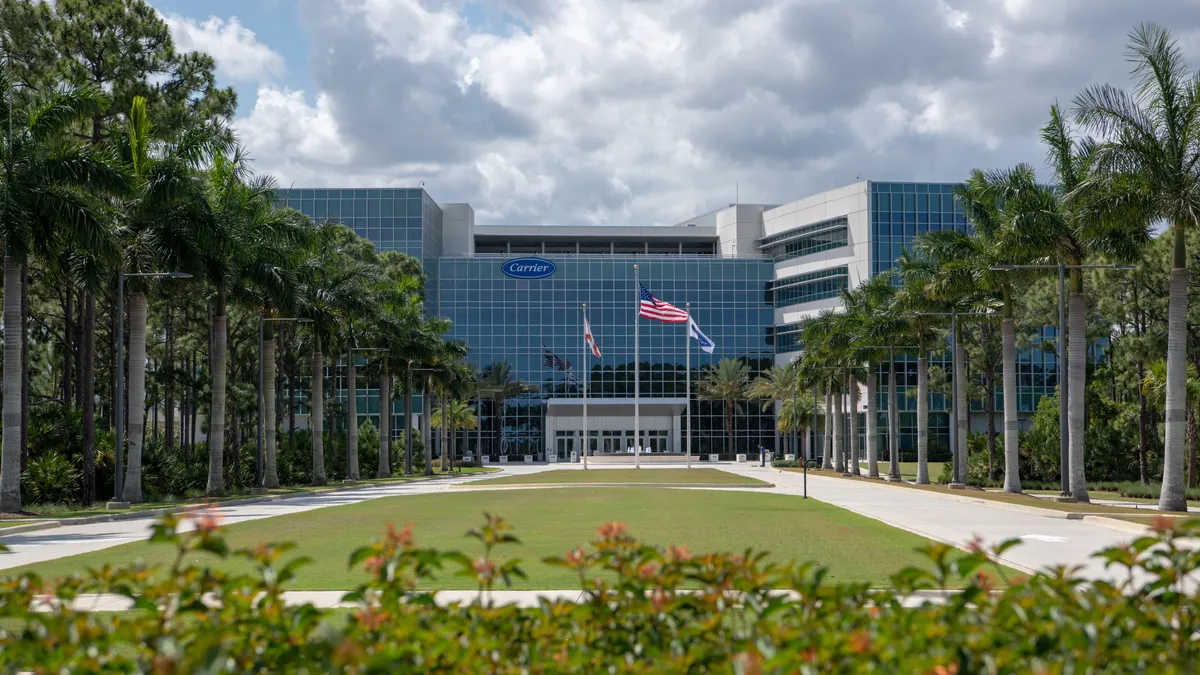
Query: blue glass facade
[[514, 320], [900, 212]]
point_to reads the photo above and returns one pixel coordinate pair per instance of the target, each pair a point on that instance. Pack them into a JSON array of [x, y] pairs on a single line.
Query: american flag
[[653, 308], [551, 360]]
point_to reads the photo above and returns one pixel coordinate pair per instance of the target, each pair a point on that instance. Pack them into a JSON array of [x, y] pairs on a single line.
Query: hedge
[[644, 609]]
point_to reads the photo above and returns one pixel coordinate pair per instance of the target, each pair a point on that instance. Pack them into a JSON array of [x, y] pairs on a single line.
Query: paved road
[[1048, 541]]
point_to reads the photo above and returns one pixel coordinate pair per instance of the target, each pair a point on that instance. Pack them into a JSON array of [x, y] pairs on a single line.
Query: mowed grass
[[553, 521], [908, 470], [630, 476]]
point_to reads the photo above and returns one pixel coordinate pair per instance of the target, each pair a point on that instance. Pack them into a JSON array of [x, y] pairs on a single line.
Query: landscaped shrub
[[786, 464], [50, 479], [632, 615]]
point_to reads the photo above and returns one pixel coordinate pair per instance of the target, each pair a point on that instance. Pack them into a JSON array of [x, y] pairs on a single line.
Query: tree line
[[120, 168]]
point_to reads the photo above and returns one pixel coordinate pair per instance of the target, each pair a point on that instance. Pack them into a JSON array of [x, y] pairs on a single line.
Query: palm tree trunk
[[10, 454], [270, 472], [1012, 454], [216, 411], [24, 366], [497, 423], [445, 442], [137, 397], [1077, 379], [872, 423], [1173, 496], [426, 419], [169, 412], [827, 436], [385, 424], [1191, 441], [839, 459], [316, 414], [729, 448], [454, 441], [351, 417], [1143, 442], [852, 420], [87, 367], [922, 418], [893, 422], [963, 417]]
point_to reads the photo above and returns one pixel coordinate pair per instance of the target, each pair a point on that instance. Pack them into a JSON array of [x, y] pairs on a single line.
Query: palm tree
[[249, 256], [499, 384], [1150, 162], [726, 381], [992, 201], [1064, 224], [1154, 387], [914, 296], [774, 387], [795, 416], [166, 222], [870, 307], [331, 287], [43, 206], [459, 416]]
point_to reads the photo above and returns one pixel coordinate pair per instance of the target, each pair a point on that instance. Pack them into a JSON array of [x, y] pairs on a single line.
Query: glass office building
[[752, 275]]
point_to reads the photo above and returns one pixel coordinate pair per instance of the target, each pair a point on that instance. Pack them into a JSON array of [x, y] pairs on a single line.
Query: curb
[[154, 513], [30, 527], [528, 486], [1098, 520]]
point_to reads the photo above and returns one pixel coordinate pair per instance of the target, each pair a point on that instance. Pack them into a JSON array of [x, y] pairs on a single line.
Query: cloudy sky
[[649, 111]]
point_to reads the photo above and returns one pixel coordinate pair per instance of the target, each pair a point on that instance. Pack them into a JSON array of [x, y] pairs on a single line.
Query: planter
[[714, 457], [741, 458]]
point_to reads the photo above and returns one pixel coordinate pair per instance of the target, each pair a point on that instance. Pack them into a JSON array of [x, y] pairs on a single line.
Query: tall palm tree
[[726, 381], [795, 416], [1154, 387], [499, 384], [43, 205], [1064, 224], [774, 387], [1151, 160], [992, 201], [332, 286], [249, 256], [870, 307], [913, 297], [166, 223]]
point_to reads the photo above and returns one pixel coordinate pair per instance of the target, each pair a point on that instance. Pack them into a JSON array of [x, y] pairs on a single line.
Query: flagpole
[[637, 371], [586, 349], [687, 340]]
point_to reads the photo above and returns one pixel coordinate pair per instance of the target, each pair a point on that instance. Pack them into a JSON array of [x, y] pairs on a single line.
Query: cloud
[[239, 55], [649, 111]]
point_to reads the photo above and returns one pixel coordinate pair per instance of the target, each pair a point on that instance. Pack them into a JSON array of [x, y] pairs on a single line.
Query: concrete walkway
[[1049, 539], [38, 546]]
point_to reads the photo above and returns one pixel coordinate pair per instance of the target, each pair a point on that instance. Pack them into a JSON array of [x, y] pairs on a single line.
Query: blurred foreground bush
[[738, 614]]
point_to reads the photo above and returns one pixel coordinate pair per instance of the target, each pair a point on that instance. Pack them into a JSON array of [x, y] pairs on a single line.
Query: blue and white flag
[[695, 332]]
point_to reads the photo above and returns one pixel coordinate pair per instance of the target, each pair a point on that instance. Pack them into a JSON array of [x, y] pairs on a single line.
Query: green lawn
[[908, 470], [551, 522], [632, 476]]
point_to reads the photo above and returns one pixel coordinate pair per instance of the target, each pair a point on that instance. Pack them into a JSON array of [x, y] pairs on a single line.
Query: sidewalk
[[1046, 540]]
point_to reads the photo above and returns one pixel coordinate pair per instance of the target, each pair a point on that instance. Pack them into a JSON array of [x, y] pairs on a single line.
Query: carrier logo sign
[[528, 268]]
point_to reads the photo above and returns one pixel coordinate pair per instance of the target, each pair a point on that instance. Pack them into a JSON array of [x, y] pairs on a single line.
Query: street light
[[119, 405], [258, 440], [1063, 390], [957, 454]]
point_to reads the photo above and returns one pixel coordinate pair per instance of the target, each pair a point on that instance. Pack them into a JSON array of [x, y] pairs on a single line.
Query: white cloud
[[649, 111], [239, 54]]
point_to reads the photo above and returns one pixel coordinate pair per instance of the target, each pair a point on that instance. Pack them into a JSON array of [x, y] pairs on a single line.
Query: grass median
[[553, 521]]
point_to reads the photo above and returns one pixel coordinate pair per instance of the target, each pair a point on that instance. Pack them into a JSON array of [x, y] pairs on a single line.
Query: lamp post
[[258, 439], [957, 454], [1064, 451], [119, 394]]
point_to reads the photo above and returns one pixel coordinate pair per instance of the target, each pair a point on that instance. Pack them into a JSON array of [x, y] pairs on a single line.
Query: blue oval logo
[[528, 268]]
